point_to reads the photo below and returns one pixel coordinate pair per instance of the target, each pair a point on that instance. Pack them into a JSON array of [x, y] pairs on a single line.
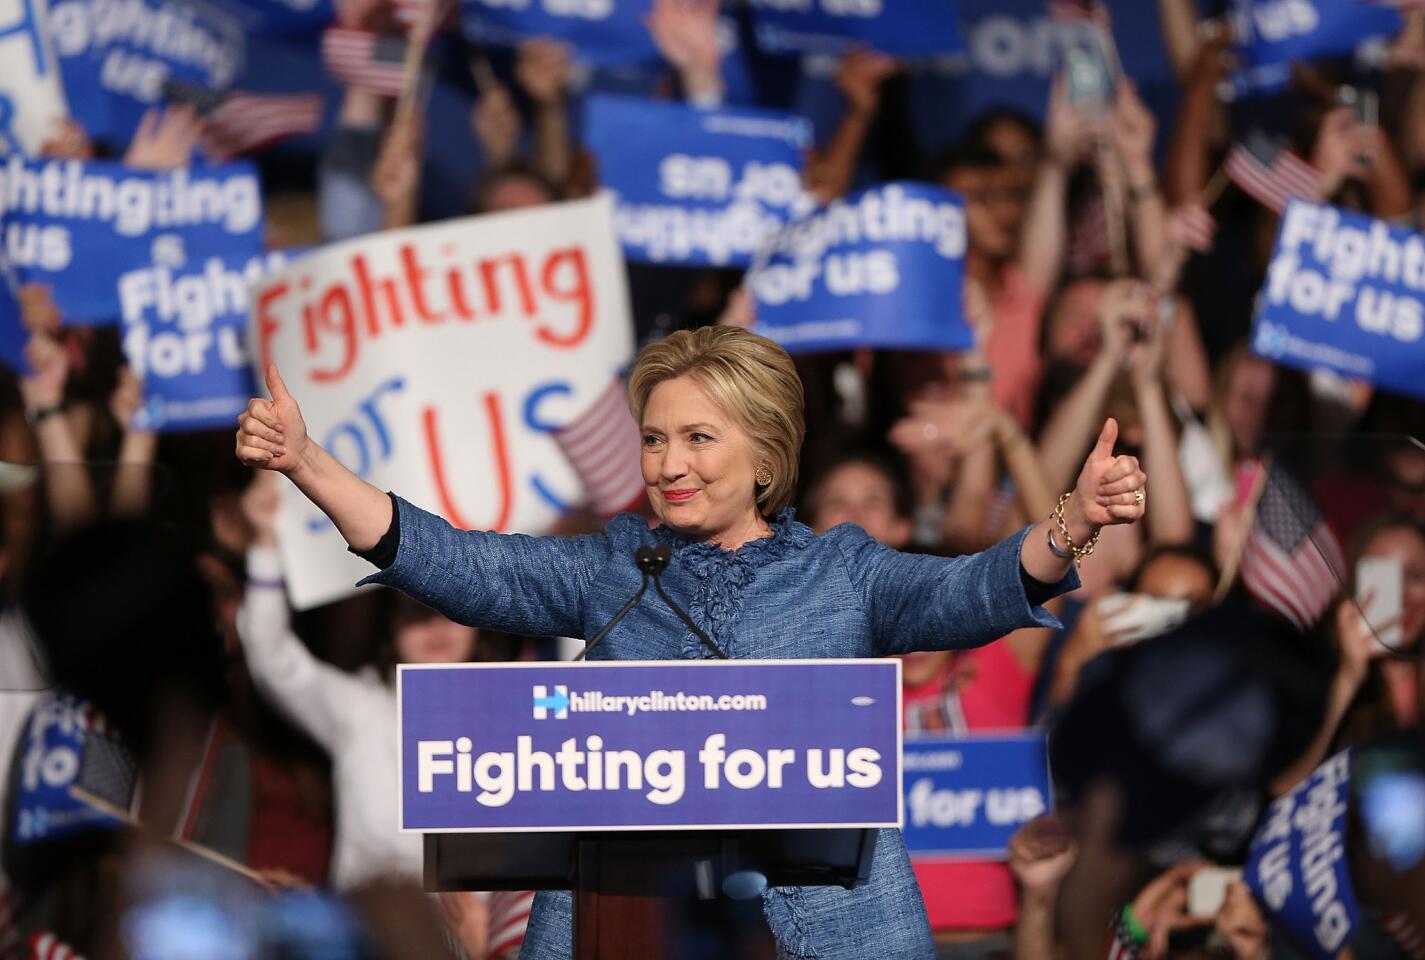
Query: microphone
[[654, 566], [651, 562], [643, 557]]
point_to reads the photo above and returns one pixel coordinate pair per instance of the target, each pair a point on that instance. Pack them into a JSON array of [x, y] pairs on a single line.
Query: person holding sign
[[721, 414]]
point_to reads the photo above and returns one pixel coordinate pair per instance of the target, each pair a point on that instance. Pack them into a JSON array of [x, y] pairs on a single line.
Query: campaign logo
[[545, 702], [1271, 339]]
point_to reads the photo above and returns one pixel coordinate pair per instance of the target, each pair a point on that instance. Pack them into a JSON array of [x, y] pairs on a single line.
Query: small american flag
[[239, 122], [46, 946], [509, 915], [369, 61], [605, 448], [1270, 174], [1291, 562]]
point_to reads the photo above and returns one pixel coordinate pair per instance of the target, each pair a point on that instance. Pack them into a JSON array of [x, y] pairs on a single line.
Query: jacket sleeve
[[315, 695], [916, 602], [511, 582]]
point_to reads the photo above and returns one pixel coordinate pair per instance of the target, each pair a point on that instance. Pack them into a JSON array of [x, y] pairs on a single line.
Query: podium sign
[[680, 745], [965, 796]]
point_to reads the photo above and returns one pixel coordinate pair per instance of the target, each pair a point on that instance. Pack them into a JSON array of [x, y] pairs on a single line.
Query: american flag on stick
[[375, 62], [239, 122], [605, 448], [1291, 562], [1269, 173]]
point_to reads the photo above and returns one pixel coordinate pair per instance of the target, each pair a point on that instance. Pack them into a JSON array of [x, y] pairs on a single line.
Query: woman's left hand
[[1111, 489]]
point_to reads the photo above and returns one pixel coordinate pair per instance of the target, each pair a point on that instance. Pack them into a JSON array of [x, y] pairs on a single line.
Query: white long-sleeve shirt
[[353, 716]]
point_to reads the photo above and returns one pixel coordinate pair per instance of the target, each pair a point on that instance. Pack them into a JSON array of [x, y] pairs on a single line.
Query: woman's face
[[434, 639], [1405, 547], [1249, 391], [698, 465], [1177, 578], [859, 493]]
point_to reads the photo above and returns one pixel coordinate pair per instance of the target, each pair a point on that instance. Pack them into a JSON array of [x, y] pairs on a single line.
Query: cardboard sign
[[602, 32], [965, 796], [638, 746], [883, 268], [81, 226], [31, 91], [435, 361], [1345, 292], [696, 187], [1297, 867], [903, 28]]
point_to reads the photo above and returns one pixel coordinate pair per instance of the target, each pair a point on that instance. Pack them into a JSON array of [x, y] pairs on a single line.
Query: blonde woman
[[721, 415]]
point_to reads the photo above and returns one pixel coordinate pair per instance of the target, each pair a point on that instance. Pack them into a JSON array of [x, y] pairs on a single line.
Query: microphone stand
[[652, 561], [657, 563]]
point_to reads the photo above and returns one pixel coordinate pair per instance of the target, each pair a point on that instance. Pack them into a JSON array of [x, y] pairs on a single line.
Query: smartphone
[[1207, 890], [1130, 617], [1380, 580], [1088, 79]]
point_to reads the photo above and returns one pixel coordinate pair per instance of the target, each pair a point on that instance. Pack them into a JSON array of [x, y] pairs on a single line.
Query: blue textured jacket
[[792, 595]]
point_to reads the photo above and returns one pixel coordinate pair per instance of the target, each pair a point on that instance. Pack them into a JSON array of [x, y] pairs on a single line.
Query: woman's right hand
[[271, 434]]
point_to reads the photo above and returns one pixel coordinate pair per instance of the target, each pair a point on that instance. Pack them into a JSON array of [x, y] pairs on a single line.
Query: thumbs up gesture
[[1110, 489], [271, 434]]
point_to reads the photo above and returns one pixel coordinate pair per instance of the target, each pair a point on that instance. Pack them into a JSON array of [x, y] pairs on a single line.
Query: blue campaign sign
[[696, 187], [602, 32], [625, 746], [281, 18], [903, 28], [51, 754], [965, 796], [115, 57], [883, 268], [1345, 292], [1270, 34], [1013, 49], [13, 335], [185, 324], [1296, 866], [79, 226]]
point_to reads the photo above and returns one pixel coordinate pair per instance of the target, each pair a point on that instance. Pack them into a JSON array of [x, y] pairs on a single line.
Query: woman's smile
[[679, 496]]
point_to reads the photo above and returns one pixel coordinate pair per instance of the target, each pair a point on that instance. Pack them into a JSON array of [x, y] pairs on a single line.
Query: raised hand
[[860, 76], [271, 434], [127, 399], [43, 389], [165, 140], [1041, 852], [1110, 489], [543, 69], [686, 35], [1133, 127], [1068, 130], [497, 124]]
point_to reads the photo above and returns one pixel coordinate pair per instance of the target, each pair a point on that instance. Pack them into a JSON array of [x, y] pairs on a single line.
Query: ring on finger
[[1138, 496]]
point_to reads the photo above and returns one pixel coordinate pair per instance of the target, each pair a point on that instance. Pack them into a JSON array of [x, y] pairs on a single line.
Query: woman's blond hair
[[752, 380]]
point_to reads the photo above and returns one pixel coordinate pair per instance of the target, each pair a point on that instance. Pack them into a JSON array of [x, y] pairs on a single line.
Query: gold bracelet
[[1078, 553]]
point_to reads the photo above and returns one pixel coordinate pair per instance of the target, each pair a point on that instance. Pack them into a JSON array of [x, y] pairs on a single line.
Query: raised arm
[[133, 479], [1067, 135], [859, 78], [685, 33], [543, 69], [273, 436], [520, 584], [933, 603], [315, 695]]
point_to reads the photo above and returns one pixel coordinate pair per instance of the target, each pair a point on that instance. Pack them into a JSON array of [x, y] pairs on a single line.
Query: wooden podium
[[630, 887]]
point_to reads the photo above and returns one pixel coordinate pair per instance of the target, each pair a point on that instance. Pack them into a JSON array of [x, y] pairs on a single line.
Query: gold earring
[[763, 476]]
